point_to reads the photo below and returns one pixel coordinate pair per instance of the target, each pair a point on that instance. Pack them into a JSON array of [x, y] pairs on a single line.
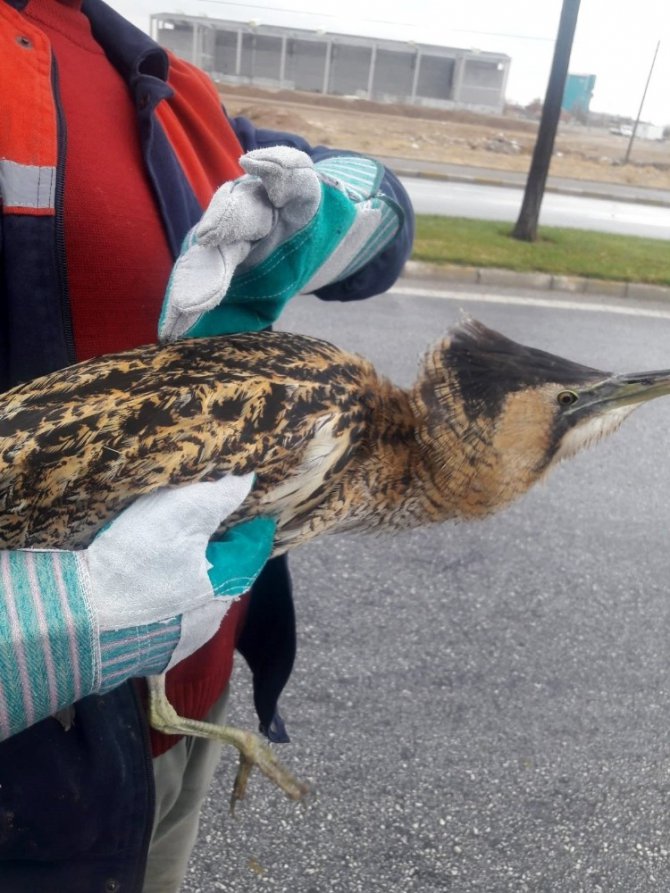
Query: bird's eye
[[567, 398]]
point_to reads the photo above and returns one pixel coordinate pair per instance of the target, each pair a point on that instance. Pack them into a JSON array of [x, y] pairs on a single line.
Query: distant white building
[[649, 131], [336, 64], [644, 131]]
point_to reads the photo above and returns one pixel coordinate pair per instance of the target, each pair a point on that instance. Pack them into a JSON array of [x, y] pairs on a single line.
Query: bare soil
[[502, 142]]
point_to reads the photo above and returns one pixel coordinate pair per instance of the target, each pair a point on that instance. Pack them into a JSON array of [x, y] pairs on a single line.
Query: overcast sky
[[615, 39]]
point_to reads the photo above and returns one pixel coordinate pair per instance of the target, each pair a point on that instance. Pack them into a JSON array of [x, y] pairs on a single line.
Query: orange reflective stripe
[[28, 133]]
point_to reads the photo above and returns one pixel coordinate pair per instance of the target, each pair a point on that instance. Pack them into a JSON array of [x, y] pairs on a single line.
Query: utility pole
[[526, 225], [639, 113]]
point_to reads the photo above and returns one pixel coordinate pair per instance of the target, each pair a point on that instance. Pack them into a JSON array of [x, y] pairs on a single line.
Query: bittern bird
[[334, 446]]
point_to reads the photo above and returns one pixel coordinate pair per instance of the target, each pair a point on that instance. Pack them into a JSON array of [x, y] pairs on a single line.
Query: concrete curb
[[538, 281], [487, 176]]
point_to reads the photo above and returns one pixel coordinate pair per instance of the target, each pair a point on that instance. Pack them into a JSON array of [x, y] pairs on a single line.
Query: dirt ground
[[501, 142]]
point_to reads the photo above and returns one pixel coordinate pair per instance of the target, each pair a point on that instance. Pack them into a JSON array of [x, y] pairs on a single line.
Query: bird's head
[[498, 415]]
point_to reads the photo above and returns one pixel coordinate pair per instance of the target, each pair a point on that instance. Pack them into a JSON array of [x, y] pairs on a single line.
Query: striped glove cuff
[[51, 653], [378, 217]]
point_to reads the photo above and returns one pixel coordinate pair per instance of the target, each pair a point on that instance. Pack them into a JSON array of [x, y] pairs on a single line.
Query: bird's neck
[[386, 475], [415, 470], [428, 462], [470, 460], [416, 459]]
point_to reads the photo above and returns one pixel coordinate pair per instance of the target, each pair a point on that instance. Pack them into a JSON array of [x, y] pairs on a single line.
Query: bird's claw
[[252, 749], [258, 753]]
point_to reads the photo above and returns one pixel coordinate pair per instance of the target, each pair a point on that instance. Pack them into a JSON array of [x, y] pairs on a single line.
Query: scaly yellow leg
[[253, 750]]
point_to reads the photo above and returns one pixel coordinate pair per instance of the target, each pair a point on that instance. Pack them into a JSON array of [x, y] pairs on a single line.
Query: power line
[[332, 15]]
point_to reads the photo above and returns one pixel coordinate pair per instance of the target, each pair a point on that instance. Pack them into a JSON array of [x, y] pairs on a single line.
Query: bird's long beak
[[627, 390]]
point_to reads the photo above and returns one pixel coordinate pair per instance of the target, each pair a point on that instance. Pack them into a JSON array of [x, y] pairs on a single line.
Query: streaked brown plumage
[[78, 445], [334, 446]]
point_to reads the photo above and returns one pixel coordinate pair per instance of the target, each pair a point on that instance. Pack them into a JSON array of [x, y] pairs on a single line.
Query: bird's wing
[[77, 446]]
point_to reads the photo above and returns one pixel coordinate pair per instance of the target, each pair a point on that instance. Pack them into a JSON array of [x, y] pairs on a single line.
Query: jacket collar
[[132, 52]]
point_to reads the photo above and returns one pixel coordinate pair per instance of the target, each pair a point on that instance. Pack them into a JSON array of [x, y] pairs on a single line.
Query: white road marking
[[466, 297]]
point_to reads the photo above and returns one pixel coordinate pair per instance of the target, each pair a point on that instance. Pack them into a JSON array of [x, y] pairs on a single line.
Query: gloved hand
[[146, 593], [288, 226]]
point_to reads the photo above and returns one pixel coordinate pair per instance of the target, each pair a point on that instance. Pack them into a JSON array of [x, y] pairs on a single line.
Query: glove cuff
[[49, 652], [137, 651], [358, 175]]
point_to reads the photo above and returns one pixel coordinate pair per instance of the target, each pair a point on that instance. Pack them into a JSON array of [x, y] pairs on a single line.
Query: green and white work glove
[[288, 226], [146, 593]]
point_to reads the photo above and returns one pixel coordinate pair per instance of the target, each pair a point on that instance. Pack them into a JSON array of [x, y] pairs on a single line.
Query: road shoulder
[[491, 276]]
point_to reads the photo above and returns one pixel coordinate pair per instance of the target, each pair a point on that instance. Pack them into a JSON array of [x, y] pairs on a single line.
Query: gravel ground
[[485, 707]]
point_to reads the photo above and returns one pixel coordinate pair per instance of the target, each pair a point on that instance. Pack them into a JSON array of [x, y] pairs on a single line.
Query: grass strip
[[567, 252]]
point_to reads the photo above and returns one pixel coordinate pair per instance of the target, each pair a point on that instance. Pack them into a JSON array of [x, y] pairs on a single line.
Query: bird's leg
[[253, 750]]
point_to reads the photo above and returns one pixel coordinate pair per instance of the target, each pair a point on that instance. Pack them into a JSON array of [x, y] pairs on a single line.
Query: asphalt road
[[479, 708], [432, 196]]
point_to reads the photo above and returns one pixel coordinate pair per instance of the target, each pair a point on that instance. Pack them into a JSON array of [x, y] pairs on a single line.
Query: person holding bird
[[132, 205]]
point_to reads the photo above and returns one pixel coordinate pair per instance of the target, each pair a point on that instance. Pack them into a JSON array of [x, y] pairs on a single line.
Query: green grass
[[567, 252]]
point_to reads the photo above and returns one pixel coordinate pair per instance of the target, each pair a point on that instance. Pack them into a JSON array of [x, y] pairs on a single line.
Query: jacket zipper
[[61, 261]]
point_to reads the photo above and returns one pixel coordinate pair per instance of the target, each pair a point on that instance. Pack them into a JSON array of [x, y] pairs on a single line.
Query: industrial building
[[271, 57], [578, 94]]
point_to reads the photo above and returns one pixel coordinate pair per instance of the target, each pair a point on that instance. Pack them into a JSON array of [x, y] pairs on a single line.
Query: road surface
[[480, 708], [432, 196]]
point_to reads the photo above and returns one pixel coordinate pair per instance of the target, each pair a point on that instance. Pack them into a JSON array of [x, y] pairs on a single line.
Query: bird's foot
[[252, 749]]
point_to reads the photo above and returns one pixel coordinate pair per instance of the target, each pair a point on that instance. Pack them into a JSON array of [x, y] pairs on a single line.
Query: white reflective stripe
[[26, 185]]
